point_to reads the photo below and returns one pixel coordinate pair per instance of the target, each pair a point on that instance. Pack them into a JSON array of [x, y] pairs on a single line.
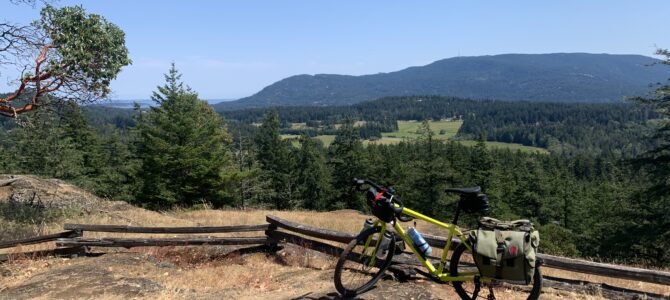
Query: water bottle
[[384, 246], [366, 225], [419, 243]]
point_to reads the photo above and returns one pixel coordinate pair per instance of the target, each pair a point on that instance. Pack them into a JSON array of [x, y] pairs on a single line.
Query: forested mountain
[[559, 77]]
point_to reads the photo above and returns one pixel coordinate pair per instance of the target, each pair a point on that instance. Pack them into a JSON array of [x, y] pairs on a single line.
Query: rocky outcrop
[[51, 193]]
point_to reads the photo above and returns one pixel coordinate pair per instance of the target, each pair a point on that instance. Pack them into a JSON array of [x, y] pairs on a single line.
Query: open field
[[409, 130], [443, 130], [510, 146], [325, 139]]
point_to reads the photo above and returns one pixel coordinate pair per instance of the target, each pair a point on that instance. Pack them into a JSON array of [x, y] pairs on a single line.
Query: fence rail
[[60, 252], [40, 239], [72, 238], [160, 242], [133, 229], [576, 265]]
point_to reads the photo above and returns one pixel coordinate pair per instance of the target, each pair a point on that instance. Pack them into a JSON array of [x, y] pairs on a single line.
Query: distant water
[[144, 103]]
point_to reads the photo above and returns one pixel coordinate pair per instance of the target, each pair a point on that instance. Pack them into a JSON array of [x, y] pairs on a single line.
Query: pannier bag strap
[[500, 250]]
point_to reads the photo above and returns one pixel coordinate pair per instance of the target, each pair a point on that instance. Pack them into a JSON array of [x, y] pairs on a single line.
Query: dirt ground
[[199, 272], [222, 273]]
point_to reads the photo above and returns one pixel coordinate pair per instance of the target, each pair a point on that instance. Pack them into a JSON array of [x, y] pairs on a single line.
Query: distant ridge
[[143, 103], [557, 77]]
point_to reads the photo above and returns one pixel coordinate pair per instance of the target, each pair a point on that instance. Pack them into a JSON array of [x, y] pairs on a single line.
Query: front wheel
[[462, 263], [360, 266]]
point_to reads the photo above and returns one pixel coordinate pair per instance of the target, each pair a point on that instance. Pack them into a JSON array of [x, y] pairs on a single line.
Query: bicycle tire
[[369, 275], [465, 293]]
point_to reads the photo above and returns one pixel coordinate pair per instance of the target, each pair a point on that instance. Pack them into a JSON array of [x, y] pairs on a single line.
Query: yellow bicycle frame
[[438, 272]]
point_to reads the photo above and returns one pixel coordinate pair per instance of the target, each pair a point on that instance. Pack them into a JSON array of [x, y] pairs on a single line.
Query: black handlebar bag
[[380, 207]]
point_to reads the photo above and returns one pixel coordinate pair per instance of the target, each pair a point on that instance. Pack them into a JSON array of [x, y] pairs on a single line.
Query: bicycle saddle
[[465, 191]]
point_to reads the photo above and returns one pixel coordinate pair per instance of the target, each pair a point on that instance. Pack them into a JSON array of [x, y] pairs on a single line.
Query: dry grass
[[260, 273], [624, 283]]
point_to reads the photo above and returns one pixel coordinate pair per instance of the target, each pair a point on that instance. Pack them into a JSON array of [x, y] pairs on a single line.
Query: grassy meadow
[[409, 130]]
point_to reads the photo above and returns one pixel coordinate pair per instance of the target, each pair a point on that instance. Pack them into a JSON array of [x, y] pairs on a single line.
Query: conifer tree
[[431, 171], [274, 159], [118, 175], [313, 177], [650, 206], [482, 165], [184, 149], [41, 147], [87, 142], [347, 162]]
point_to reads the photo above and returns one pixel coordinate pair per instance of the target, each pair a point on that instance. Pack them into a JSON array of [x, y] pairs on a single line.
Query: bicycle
[[365, 259]]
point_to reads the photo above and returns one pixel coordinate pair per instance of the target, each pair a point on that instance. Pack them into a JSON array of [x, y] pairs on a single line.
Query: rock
[[294, 255], [80, 281], [166, 264]]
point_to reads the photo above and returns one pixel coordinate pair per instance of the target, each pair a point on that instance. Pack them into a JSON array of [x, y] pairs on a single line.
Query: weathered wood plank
[[342, 237], [325, 234], [158, 242], [60, 252], [305, 242], [40, 239], [134, 229], [606, 290], [608, 270]]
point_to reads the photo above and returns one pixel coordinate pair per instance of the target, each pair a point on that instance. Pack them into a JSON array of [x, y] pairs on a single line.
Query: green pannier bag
[[506, 250]]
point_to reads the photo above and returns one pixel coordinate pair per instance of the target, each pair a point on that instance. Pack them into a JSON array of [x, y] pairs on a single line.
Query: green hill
[[559, 77]]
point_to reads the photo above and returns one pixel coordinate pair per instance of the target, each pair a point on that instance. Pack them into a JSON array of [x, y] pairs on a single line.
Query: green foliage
[[183, 149], [313, 178], [91, 50], [558, 241], [430, 172], [42, 147], [347, 162], [273, 156], [562, 128], [650, 207]]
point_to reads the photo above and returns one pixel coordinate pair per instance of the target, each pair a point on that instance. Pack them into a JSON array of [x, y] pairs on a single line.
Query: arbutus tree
[[76, 55]]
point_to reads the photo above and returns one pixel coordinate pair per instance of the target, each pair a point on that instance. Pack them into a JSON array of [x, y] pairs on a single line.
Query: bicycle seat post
[[458, 211]]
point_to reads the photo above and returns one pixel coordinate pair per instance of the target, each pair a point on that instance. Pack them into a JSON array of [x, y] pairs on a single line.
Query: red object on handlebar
[[379, 195]]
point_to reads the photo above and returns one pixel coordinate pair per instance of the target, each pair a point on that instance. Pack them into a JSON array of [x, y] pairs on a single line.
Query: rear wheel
[[360, 267], [462, 263]]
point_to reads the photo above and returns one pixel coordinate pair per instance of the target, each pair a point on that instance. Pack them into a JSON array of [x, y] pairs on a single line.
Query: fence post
[[272, 243]]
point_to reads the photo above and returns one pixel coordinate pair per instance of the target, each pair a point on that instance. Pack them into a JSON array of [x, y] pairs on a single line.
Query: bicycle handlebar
[[375, 189]]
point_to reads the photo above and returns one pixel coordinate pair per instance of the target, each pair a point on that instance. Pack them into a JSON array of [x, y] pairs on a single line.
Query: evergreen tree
[[313, 177], [273, 157], [430, 172], [41, 147], [650, 206], [87, 142], [184, 149], [347, 162], [481, 165], [245, 177], [118, 175]]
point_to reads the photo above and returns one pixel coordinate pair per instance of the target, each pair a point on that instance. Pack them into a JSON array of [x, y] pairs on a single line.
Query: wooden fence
[[279, 230]]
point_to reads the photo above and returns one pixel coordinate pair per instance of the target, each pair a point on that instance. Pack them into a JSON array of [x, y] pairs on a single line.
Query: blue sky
[[232, 49]]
